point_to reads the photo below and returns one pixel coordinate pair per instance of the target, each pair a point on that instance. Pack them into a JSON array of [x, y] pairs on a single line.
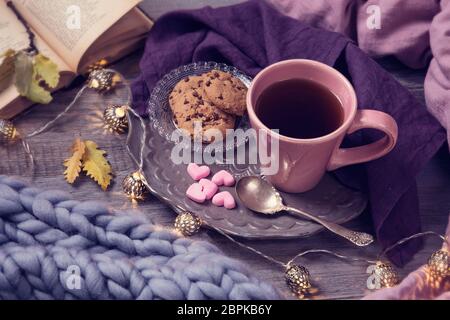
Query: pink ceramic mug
[[303, 162]]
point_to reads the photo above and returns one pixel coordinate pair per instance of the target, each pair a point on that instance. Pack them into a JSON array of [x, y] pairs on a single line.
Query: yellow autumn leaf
[[30, 71], [38, 94], [73, 164], [95, 164], [46, 70]]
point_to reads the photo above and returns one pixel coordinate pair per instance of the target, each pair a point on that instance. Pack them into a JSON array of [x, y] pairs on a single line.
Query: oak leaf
[[73, 164], [95, 164]]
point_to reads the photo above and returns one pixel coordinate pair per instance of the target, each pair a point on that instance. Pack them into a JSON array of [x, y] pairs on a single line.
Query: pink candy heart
[[209, 188], [195, 193], [223, 178], [198, 172], [225, 199]]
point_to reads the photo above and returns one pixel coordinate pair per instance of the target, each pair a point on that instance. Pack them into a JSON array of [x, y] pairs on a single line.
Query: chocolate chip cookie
[[189, 106], [185, 85], [225, 91]]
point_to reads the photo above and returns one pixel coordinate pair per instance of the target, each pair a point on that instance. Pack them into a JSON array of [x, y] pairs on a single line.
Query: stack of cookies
[[214, 99]]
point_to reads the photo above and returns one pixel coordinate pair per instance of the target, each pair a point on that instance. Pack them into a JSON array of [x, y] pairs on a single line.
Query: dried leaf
[[73, 164], [23, 72], [7, 68], [95, 164], [30, 71], [38, 94], [47, 70]]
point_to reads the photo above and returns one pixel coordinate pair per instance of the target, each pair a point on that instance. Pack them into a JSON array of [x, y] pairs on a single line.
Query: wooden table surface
[[335, 279]]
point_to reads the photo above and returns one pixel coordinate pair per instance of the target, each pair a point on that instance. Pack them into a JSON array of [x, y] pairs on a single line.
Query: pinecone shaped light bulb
[[134, 186], [385, 274], [298, 279], [103, 80], [115, 118], [438, 263], [8, 132], [188, 223]]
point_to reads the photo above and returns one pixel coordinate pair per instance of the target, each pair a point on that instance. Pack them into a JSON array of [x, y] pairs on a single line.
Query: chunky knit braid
[[44, 235]]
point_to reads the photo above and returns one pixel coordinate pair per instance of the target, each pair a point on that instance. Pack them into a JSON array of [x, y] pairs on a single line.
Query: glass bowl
[[160, 114]]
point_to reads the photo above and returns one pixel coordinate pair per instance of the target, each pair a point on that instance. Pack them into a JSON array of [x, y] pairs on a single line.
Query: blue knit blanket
[[53, 247]]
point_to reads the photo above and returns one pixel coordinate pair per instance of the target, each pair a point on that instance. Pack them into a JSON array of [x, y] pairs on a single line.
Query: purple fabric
[[254, 35], [414, 31]]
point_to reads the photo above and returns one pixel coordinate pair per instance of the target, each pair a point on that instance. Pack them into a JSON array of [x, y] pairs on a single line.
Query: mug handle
[[367, 119]]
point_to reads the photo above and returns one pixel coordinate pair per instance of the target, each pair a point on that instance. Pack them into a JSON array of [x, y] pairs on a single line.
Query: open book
[[107, 29]]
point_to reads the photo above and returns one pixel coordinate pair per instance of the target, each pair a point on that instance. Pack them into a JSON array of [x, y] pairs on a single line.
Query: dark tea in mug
[[300, 108]]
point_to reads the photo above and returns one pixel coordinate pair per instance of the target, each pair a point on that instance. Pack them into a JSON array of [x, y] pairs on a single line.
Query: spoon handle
[[359, 238]]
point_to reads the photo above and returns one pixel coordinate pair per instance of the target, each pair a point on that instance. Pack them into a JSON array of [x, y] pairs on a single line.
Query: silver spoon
[[260, 196]]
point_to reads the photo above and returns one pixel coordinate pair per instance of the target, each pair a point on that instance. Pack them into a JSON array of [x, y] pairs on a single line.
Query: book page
[[125, 36], [13, 35], [57, 22]]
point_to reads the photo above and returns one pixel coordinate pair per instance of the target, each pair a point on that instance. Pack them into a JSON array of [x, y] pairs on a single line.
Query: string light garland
[[438, 263], [298, 277], [115, 117], [101, 80], [8, 132], [135, 186]]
